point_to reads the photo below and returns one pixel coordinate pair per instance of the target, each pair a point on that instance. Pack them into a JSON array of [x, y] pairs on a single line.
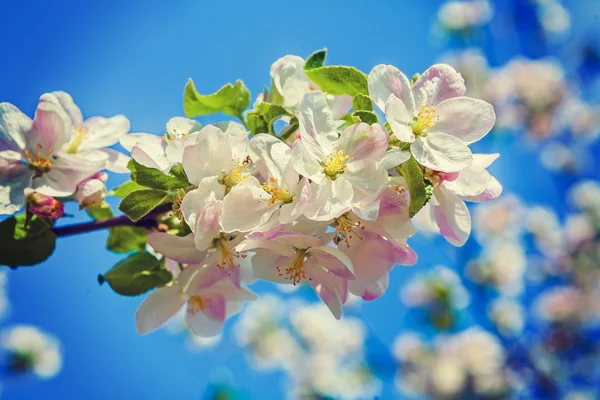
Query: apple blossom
[[43, 206], [92, 190]]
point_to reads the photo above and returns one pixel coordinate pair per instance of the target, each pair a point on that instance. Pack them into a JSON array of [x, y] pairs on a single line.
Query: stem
[[148, 221], [288, 130]]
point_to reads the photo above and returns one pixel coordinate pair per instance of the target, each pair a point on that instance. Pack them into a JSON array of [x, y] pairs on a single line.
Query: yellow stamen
[[295, 272], [346, 227], [172, 136], [278, 193], [227, 256], [80, 132], [240, 171], [197, 304], [335, 164], [425, 119], [39, 161]]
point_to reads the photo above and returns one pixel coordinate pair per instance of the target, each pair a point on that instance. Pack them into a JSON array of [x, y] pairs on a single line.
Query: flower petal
[[452, 217], [394, 157], [334, 261], [364, 142], [290, 212], [116, 162], [329, 200], [331, 289], [51, 128], [367, 178], [179, 248], [369, 290], [14, 178], [289, 79], [318, 131], [209, 156], [384, 80], [69, 106], [438, 83], [14, 127], [158, 308], [441, 152], [208, 322], [246, 207], [181, 126], [102, 132], [465, 118], [270, 155], [399, 119]]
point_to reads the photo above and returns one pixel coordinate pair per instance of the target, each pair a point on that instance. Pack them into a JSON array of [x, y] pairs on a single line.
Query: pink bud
[[43, 206], [92, 190]]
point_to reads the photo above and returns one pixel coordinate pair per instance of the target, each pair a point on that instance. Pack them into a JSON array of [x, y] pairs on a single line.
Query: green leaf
[[99, 213], [155, 179], [139, 203], [25, 246], [261, 120], [368, 117], [316, 59], [362, 102], [230, 99], [124, 239], [137, 274], [274, 97], [125, 189], [338, 80], [412, 173]]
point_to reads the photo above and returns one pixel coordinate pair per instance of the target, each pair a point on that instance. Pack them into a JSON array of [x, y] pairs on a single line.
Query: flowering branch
[[149, 221]]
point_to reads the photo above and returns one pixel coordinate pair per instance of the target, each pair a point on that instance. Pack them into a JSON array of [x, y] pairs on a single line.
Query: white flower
[[432, 114], [31, 155], [459, 15], [34, 349], [345, 170], [162, 152], [508, 315]]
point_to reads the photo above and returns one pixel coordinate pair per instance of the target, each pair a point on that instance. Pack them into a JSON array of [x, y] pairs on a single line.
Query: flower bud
[[92, 190], [43, 206]]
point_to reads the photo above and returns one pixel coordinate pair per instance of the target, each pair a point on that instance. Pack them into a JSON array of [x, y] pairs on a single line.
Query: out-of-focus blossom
[[508, 315], [464, 15], [564, 304], [501, 219], [31, 350]]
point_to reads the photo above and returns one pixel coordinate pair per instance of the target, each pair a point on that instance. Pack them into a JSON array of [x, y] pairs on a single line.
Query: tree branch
[[148, 221]]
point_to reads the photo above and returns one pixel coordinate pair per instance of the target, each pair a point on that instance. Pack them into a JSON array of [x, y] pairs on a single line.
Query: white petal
[[150, 158], [329, 200], [441, 152], [270, 155], [367, 178], [452, 217], [394, 157], [369, 290], [209, 322], [14, 178], [130, 140], [209, 156], [292, 211], [14, 127], [330, 289], [102, 132], [289, 79], [158, 308], [66, 172], [438, 83], [385, 80], [333, 260], [50, 130], [399, 118], [317, 127], [69, 106], [306, 164], [246, 207], [181, 126], [116, 162], [178, 248], [364, 142], [465, 118]]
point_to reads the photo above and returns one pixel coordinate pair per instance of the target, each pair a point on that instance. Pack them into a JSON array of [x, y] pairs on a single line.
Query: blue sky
[[133, 58]]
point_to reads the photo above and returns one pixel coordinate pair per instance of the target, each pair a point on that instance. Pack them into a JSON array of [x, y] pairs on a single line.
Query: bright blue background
[[133, 58]]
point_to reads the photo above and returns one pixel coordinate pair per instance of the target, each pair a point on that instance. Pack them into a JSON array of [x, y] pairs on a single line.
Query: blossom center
[[346, 227], [295, 271], [335, 164], [278, 193], [425, 119], [172, 136], [437, 177], [39, 161], [197, 304], [238, 173], [227, 256], [80, 132]]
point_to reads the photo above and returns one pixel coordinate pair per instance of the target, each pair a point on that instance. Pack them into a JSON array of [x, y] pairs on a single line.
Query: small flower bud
[[43, 206], [92, 190]]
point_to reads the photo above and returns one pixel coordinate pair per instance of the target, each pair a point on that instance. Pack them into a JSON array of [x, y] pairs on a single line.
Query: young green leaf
[[316, 59], [137, 274], [261, 120], [125, 189], [124, 239], [368, 117], [155, 179], [139, 203], [412, 173], [338, 80], [25, 246], [362, 102], [230, 99]]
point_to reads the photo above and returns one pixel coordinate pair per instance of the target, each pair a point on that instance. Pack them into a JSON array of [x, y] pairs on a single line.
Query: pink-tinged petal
[[452, 217], [14, 127], [340, 105], [270, 155], [69, 106], [66, 172], [173, 267], [116, 162], [367, 178], [206, 277], [206, 318], [158, 308], [438, 83], [369, 290], [465, 118], [441, 152], [384, 80], [399, 119], [179, 248], [492, 191], [102, 132], [333, 260], [246, 207], [210, 155], [50, 130], [331, 289], [364, 142], [329, 200], [404, 254], [292, 211], [317, 127], [393, 221], [372, 256], [149, 156], [14, 178], [265, 263], [132, 139], [393, 158], [270, 245]]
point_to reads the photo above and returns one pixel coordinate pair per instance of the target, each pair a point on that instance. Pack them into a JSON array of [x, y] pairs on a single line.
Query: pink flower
[[43, 206]]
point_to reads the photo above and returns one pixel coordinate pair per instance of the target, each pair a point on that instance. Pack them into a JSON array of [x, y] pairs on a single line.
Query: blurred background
[[513, 314]]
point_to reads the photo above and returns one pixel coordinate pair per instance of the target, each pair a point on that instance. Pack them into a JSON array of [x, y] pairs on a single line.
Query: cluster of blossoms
[[320, 355], [331, 210]]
